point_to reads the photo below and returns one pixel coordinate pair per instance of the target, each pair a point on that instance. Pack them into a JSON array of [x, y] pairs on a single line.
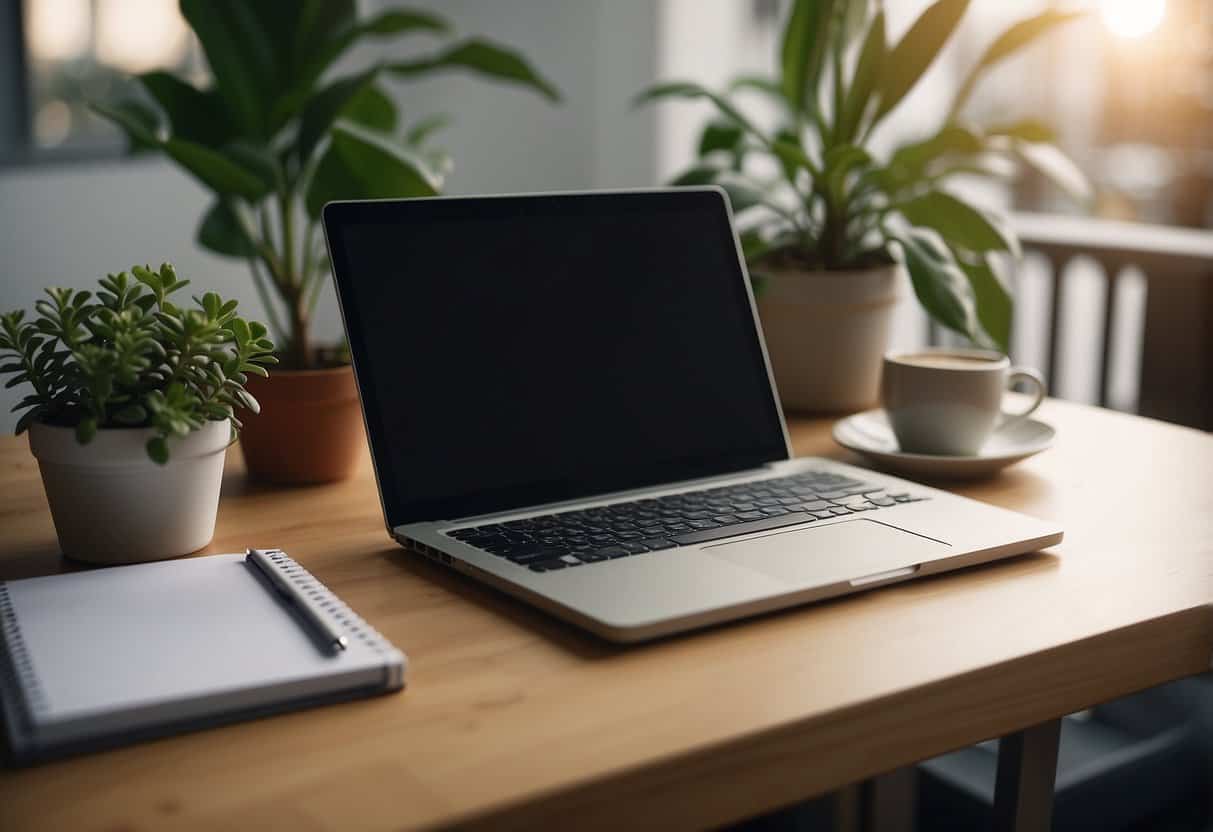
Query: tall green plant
[[275, 137], [832, 203]]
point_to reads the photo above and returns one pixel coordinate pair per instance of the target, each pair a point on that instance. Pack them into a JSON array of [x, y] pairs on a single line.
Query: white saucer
[[869, 434]]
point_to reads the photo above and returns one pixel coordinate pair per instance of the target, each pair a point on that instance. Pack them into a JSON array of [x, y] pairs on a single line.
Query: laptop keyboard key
[[656, 543], [704, 535], [534, 557]]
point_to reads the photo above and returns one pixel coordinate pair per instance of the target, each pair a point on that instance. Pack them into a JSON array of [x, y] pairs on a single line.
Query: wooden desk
[[513, 719]]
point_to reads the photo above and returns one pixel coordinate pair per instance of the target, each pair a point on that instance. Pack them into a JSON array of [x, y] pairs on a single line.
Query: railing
[[1174, 377]]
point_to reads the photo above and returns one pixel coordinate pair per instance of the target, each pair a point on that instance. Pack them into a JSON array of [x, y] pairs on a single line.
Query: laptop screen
[[513, 351]]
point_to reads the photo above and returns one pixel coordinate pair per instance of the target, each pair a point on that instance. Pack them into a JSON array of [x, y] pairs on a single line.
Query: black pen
[[265, 561]]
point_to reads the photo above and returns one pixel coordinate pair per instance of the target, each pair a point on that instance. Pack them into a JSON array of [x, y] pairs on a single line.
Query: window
[[76, 51]]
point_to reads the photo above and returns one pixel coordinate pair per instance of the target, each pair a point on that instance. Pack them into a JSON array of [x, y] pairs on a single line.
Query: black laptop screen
[[513, 351]]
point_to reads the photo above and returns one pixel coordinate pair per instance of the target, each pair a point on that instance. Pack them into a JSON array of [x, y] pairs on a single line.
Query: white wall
[[69, 224]]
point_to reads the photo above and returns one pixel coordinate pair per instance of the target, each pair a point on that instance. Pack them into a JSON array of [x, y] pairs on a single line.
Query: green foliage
[[130, 357], [275, 137], [832, 203]]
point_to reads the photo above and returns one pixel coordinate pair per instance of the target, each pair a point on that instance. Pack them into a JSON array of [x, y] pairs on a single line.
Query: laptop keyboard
[[573, 538]]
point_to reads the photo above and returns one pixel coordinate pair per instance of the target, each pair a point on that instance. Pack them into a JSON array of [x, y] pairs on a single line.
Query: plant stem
[[259, 281], [300, 357], [296, 285]]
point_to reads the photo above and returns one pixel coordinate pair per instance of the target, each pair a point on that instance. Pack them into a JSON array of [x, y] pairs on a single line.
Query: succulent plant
[[128, 357]]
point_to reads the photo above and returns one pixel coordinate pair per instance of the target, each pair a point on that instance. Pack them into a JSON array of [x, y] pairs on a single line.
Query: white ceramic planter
[[112, 504], [826, 333]]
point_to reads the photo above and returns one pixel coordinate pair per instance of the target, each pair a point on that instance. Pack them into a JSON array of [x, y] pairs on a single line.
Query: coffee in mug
[[948, 401]]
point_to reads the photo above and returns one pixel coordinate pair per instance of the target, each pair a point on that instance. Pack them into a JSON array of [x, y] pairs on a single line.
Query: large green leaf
[[362, 164], [315, 23], [195, 115], [994, 304], [257, 160], [215, 170], [908, 163], [803, 51], [485, 58], [242, 57], [138, 120], [221, 233], [867, 73], [959, 223], [942, 288], [372, 107], [789, 152], [336, 41], [916, 51], [720, 135], [1008, 43], [325, 107]]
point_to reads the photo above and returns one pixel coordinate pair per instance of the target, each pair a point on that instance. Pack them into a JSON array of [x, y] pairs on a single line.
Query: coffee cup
[[948, 401]]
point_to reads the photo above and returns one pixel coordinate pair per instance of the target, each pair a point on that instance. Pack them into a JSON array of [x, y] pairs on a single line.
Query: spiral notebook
[[112, 656]]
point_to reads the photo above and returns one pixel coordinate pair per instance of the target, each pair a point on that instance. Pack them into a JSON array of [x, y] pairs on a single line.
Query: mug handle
[[1024, 374]]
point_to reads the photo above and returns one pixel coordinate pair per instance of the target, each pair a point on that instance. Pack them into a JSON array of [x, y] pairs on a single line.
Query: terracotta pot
[[112, 504], [826, 334], [309, 429]]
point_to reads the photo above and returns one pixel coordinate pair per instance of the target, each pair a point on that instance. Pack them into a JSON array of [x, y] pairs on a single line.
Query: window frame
[[18, 149]]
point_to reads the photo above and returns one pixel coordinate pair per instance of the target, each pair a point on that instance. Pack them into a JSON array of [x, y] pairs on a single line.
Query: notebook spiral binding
[[319, 596], [16, 665]]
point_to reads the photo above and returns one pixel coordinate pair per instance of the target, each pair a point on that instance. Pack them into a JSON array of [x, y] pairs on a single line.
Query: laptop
[[568, 397]]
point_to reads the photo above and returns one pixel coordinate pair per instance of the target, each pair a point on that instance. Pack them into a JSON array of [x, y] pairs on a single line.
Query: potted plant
[[133, 404], [826, 224], [274, 138]]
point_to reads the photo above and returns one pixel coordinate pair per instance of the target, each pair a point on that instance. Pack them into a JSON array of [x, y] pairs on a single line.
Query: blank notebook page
[[119, 648]]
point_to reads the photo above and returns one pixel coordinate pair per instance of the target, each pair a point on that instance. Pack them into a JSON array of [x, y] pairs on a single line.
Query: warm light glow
[[1132, 18], [57, 30], [139, 35]]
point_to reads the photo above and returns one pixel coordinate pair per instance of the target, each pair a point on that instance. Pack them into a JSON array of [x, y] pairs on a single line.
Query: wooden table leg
[[889, 801], [1027, 768]]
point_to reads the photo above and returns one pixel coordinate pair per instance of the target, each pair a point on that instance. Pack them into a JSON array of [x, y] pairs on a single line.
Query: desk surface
[[513, 719]]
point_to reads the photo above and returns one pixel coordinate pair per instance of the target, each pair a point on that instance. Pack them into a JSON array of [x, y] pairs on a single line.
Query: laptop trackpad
[[820, 555]]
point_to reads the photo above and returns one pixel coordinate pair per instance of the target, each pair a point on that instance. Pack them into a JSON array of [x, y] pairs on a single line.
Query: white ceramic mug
[[948, 401]]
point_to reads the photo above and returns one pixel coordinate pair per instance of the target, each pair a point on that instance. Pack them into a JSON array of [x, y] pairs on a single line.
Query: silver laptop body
[[627, 564]]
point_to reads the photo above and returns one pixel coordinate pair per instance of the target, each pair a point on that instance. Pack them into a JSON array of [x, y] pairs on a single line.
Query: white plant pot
[[112, 504], [826, 333]]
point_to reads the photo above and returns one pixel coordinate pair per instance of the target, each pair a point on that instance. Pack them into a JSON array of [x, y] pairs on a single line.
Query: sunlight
[[1132, 18], [140, 35], [57, 30]]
